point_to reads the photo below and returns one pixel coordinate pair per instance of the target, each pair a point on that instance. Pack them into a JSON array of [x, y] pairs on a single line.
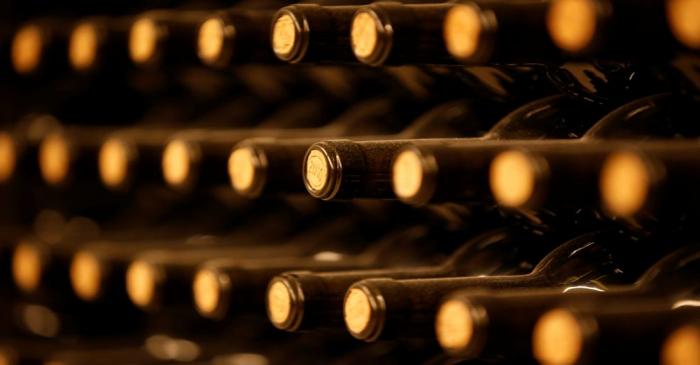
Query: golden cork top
[[27, 266], [357, 311], [85, 275], [364, 34], [557, 338], [143, 40], [279, 303], [572, 23], [54, 158], [142, 279], [178, 157], [210, 40], [284, 36], [625, 183], [83, 46], [242, 168], [513, 178], [113, 162], [407, 174], [462, 31], [684, 21], [682, 347], [454, 326], [27, 49], [207, 291], [316, 172]]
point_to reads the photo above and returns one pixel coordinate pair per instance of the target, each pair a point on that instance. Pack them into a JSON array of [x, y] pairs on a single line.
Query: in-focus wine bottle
[[472, 323], [346, 169], [234, 36], [458, 169], [315, 300], [407, 304], [479, 32]]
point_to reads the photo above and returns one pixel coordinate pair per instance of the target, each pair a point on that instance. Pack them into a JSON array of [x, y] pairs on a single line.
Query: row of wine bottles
[[494, 289], [553, 154], [380, 33]]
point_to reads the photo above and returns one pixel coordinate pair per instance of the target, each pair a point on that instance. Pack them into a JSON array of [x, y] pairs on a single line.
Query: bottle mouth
[[144, 282], [28, 48], [459, 327], [625, 183], [83, 46], [413, 176], [572, 24], [320, 172], [210, 289], [682, 346], [246, 170], [514, 177], [86, 275], [212, 39], [285, 307], [559, 338], [289, 40], [179, 163], [55, 158], [115, 159], [463, 31], [28, 261], [370, 37], [364, 312], [144, 39], [684, 22]]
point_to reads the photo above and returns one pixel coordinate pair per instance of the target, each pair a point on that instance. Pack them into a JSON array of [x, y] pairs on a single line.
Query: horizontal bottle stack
[[336, 182]]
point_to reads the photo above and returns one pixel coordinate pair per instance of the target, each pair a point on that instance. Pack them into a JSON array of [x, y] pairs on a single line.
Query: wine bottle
[[234, 36], [455, 169], [478, 32], [99, 44], [164, 37], [611, 28], [393, 33], [342, 169], [316, 299], [313, 33], [471, 323], [584, 260], [629, 331], [39, 47], [645, 183]]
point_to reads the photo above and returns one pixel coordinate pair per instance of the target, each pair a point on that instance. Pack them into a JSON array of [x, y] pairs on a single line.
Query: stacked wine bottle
[[336, 182]]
